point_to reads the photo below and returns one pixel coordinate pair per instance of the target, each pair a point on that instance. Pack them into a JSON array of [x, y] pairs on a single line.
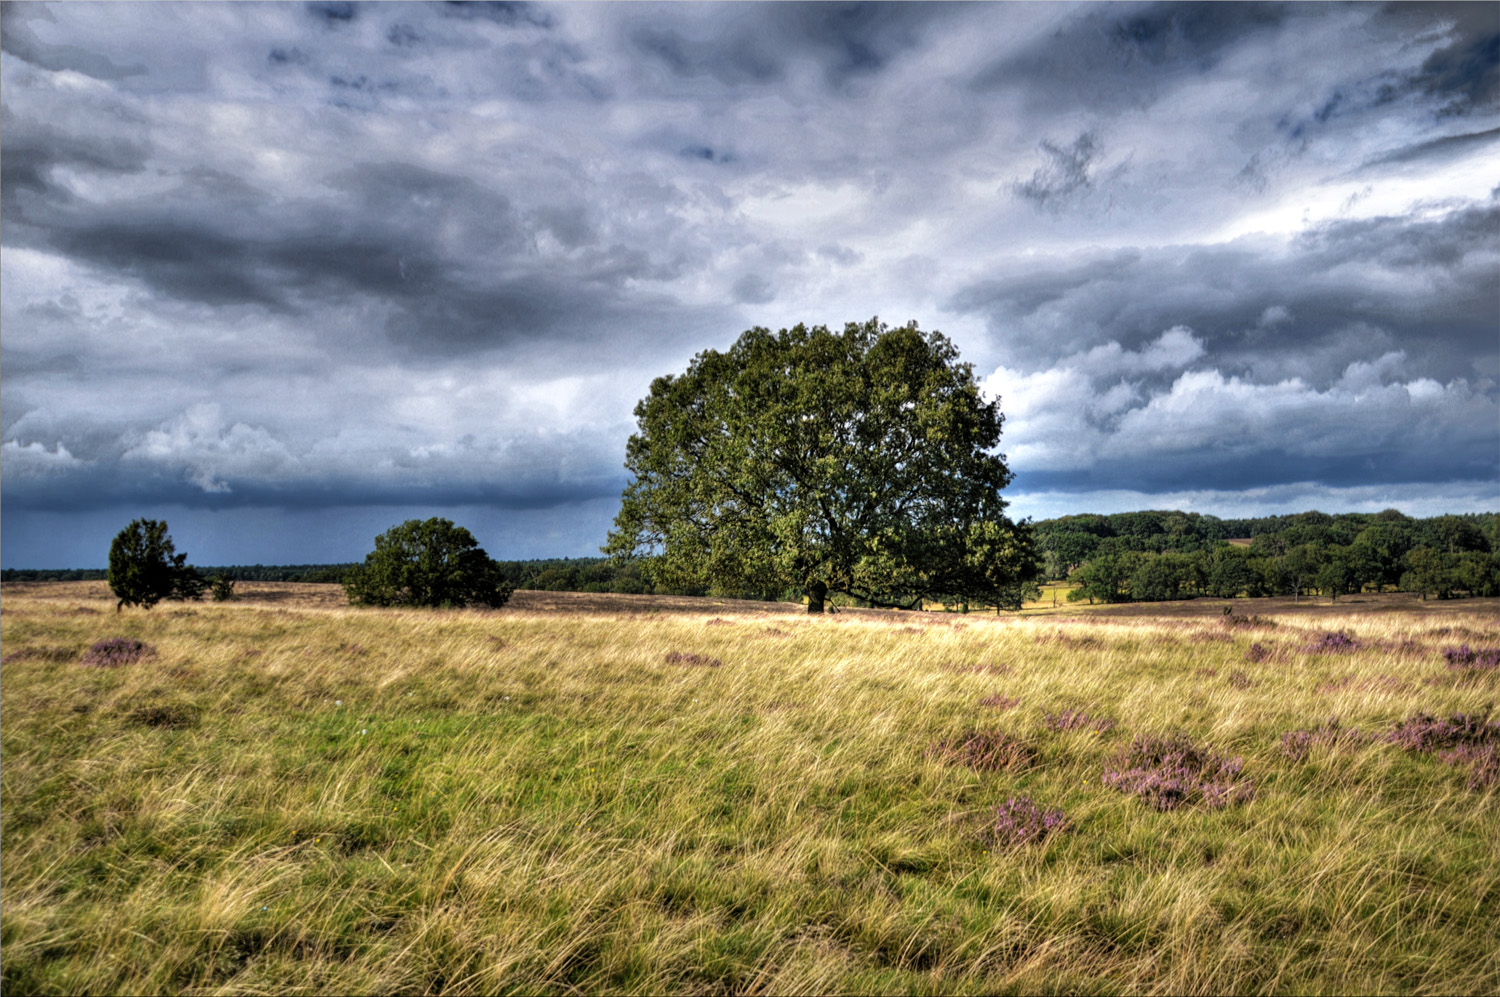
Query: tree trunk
[[816, 593]]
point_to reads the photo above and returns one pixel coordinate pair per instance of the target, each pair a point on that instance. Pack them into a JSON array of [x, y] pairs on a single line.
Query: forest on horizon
[[1145, 556]]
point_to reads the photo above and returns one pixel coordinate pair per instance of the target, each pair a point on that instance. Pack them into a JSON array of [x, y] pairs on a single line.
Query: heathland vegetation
[[651, 795]]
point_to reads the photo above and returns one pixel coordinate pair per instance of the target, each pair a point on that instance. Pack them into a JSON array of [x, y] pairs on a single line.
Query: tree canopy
[[427, 563], [144, 567], [858, 462]]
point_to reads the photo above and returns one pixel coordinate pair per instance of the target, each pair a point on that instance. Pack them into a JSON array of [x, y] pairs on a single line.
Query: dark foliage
[[144, 567], [858, 463], [427, 563], [117, 651], [986, 750]]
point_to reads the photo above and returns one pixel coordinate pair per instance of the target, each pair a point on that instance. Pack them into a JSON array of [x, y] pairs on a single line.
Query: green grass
[[306, 800]]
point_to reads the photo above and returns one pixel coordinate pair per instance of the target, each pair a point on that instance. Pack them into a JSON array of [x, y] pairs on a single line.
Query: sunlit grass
[[313, 799]]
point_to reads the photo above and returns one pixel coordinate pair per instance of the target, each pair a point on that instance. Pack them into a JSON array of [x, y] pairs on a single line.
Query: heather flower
[[1074, 719], [1465, 656], [1427, 733], [1485, 760], [1019, 821], [1332, 642], [117, 651], [1298, 744], [1170, 772], [689, 658], [1240, 680], [986, 750], [1258, 653], [1000, 702]]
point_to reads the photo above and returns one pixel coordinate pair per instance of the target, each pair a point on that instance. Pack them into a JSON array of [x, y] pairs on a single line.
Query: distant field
[[635, 794]]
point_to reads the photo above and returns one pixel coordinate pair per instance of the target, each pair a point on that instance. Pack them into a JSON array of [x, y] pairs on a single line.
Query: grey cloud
[[1428, 283], [18, 37], [1465, 74], [841, 255], [753, 44], [1449, 147], [392, 280], [332, 11], [1064, 176], [1023, 294], [1114, 56], [753, 289], [500, 12]]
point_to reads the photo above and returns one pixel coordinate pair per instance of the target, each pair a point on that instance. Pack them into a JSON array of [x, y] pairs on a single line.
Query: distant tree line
[[1157, 556], [234, 572], [1125, 557]]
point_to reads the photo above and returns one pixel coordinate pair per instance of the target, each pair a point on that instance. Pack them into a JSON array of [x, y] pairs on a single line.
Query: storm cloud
[[292, 265]]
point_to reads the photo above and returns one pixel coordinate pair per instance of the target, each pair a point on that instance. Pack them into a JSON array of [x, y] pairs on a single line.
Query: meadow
[[613, 794]]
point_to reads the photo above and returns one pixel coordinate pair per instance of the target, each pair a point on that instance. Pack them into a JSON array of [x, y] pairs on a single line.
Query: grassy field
[[605, 794]]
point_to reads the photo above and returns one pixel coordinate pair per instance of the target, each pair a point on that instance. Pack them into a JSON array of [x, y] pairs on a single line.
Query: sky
[[286, 275]]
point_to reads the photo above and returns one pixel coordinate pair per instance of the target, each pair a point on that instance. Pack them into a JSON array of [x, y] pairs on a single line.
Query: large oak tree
[[859, 462]]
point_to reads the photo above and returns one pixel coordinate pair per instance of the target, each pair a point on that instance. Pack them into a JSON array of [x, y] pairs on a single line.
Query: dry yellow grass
[[568, 795]]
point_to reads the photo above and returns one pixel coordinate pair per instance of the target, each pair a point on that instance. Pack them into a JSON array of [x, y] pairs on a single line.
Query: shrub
[[427, 563], [1461, 739], [1465, 656], [1332, 642], [117, 651], [1247, 622], [986, 750], [1484, 761], [1298, 744], [1427, 733], [689, 658], [1074, 719], [144, 567], [1170, 772], [170, 716], [1019, 821], [221, 587]]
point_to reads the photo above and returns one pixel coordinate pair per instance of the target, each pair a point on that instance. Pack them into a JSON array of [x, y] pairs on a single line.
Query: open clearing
[[612, 794]]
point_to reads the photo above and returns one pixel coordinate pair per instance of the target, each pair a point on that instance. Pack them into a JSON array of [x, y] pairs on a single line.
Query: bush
[[116, 651], [144, 567], [1169, 772], [221, 587], [427, 563]]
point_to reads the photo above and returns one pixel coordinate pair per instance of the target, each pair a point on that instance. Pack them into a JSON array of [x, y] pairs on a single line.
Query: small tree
[[144, 567], [222, 587], [427, 563]]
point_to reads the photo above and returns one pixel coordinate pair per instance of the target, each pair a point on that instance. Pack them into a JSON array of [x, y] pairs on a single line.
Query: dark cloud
[[1449, 147], [500, 12], [1427, 283], [19, 38], [427, 257], [1117, 56], [755, 43], [753, 289], [1065, 175], [333, 11]]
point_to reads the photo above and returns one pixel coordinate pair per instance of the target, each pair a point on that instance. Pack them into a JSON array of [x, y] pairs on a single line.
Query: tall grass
[[323, 800]]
